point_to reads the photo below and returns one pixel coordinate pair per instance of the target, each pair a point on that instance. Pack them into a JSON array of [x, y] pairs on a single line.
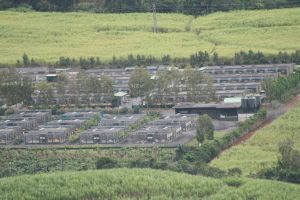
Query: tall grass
[[261, 150], [139, 184], [47, 36]]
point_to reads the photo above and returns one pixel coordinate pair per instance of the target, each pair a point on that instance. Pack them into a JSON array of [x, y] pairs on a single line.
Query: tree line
[[192, 7], [198, 59], [167, 83]]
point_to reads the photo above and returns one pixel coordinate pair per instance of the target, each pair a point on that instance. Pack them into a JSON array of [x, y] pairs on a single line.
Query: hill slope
[[47, 36], [262, 149], [140, 184]]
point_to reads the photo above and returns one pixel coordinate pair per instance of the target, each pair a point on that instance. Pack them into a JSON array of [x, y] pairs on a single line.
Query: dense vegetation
[[288, 165], [18, 162], [141, 184], [282, 88], [261, 151], [91, 40], [194, 7]]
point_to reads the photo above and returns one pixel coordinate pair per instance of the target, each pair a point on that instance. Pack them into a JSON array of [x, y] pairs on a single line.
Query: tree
[[62, 81], [140, 83], [105, 163], [82, 81], [208, 92], [193, 79], [15, 88], [93, 85], [268, 86], [45, 95], [205, 128], [26, 60], [161, 85], [289, 156], [106, 85]]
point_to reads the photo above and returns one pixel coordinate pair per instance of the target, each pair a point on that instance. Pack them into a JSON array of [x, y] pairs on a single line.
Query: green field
[[261, 150], [47, 36], [140, 184]]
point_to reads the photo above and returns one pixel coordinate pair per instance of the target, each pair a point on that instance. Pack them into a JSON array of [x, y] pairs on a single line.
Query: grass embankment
[[47, 36], [140, 184], [261, 150]]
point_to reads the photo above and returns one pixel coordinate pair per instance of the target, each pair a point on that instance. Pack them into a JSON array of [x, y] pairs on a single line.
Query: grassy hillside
[[48, 36], [140, 184], [262, 149]]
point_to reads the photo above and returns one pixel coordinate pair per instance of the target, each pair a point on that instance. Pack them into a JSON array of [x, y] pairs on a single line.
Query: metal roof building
[[155, 133], [120, 120], [102, 135]]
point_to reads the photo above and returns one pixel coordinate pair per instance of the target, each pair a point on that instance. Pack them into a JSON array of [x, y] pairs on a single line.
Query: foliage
[[205, 128], [45, 93], [167, 83], [75, 137], [140, 184], [193, 7], [151, 116], [280, 88], [140, 83], [22, 161], [77, 39], [288, 165], [260, 152], [105, 163], [14, 88], [210, 149]]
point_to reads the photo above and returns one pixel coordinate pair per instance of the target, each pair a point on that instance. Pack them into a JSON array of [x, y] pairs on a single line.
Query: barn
[[221, 111]]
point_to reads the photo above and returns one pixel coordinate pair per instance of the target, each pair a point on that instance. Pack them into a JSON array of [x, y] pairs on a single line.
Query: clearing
[[48, 36]]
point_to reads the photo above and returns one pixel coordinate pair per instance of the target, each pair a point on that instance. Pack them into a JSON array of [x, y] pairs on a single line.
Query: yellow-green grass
[[47, 36], [261, 150], [140, 184]]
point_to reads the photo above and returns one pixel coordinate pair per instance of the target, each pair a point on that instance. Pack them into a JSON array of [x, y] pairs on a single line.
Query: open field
[[140, 184], [261, 150], [47, 36]]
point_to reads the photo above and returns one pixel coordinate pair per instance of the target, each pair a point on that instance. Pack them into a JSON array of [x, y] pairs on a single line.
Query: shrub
[[105, 163], [74, 138], [234, 172], [233, 181], [123, 110]]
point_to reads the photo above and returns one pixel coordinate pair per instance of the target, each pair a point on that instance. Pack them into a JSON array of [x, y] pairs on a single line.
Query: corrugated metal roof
[[221, 105]]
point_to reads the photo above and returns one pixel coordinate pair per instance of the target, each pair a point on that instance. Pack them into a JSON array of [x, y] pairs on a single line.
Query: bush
[[233, 181], [106, 163], [136, 110], [123, 110], [234, 172], [74, 138]]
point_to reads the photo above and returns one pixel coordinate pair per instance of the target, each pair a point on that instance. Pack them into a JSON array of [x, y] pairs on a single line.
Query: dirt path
[[272, 115]]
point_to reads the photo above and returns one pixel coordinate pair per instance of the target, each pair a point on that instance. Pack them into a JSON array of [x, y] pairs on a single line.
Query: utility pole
[[154, 17]]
